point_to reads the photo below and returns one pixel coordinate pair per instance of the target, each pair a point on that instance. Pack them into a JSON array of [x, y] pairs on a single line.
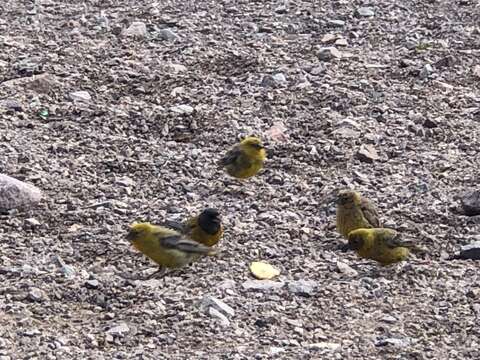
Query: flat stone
[[328, 53], [262, 285], [15, 194], [136, 29], [365, 12], [302, 287], [80, 96], [212, 302], [368, 154], [119, 331]]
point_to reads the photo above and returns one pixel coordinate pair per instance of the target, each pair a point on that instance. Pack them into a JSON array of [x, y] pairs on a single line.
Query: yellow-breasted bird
[[205, 228], [246, 159], [355, 212], [380, 244], [167, 247]]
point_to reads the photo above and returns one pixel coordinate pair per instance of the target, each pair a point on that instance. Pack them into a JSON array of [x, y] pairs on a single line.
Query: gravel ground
[[115, 127]]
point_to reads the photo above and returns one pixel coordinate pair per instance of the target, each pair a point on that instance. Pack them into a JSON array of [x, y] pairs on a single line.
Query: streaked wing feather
[[393, 239], [370, 213], [182, 244], [231, 156], [175, 225]]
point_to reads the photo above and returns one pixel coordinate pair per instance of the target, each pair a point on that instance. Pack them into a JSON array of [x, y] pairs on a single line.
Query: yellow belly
[[244, 172], [385, 256], [169, 258]]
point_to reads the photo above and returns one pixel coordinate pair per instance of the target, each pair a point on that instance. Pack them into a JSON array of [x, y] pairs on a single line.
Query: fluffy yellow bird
[[379, 244], [355, 212], [206, 228], [246, 159], [167, 247]]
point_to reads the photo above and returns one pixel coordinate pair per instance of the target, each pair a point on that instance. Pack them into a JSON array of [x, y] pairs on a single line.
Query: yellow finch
[[246, 159], [379, 244], [205, 228], [168, 248], [355, 212]]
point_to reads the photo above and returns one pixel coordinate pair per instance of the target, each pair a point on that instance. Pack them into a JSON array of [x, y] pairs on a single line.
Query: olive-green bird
[[246, 159], [355, 212], [206, 228], [166, 247], [380, 244]]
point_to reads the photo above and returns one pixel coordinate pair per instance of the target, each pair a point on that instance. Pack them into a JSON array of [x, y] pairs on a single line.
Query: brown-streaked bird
[[206, 228], [245, 159], [355, 212], [166, 247], [380, 244]]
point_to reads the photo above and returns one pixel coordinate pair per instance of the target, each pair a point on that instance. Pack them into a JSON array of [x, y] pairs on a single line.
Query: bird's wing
[[176, 225], [177, 242], [393, 239], [370, 212], [231, 157]]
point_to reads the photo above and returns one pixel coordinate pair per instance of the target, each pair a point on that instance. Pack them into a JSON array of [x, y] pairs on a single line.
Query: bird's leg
[[161, 272]]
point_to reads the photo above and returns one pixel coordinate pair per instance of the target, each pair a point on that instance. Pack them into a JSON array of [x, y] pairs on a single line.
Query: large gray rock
[[471, 203], [15, 194]]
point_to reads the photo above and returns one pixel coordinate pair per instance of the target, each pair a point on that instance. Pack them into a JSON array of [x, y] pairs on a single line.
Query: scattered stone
[[167, 34], [430, 123], [273, 80], [336, 23], [43, 83], [125, 181], [92, 284], [177, 68], [389, 319], [304, 288], [11, 104], [118, 331], [136, 29], [282, 9], [426, 71], [328, 53], [32, 222], [328, 38], [469, 252], [346, 269], [36, 295], [81, 96], [279, 78], [182, 109], [365, 12], [471, 203], [227, 284], [68, 271], [395, 342], [476, 71], [15, 194], [262, 285], [212, 302], [275, 350], [324, 346], [221, 317], [346, 133], [341, 42], [263, 271], [367, 154]]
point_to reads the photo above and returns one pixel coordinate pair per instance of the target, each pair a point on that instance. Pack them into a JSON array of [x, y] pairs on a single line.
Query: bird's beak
[[130, 236]]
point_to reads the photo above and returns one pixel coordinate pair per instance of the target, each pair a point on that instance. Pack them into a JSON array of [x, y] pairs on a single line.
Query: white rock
[[136, 29], [80, 96], [120, 330], [182, 109]]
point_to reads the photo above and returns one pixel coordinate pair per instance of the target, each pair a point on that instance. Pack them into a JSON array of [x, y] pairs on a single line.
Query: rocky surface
[[118, 111]]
